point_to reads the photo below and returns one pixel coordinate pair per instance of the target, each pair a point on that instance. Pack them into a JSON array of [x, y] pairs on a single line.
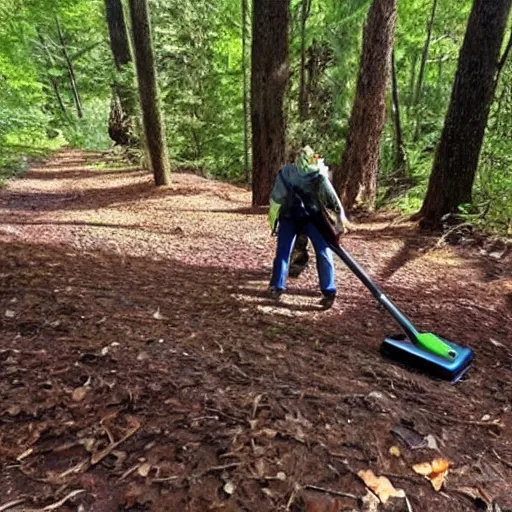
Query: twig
[[500, 458], [331, 491], [408, 503], [217, 468], [445, 236], [11, 504], [292, 499], [451, 419], [53, 506], [166, 479], [61, 502], [99, 456], [128, 472]]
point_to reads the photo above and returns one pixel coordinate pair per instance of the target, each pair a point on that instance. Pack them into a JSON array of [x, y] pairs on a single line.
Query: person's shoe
[[328, 300], [275, 293]]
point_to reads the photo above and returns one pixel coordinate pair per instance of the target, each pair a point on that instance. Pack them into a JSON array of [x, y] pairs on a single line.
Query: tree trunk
[[268, 84], [412, 76], [400, 159], [71, 72], [356, 179], [51, 64], [247, 171], [148, 92], [122, 125], [303, 97], [119, 43], [424, 55], [421, 74], [457, 155]]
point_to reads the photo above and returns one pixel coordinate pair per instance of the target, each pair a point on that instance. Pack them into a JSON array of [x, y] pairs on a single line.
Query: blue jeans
[[288, 230]]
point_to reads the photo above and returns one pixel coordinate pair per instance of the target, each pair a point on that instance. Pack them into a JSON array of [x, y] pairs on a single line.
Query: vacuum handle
[[325, 228], [381, 297], [319, 220]]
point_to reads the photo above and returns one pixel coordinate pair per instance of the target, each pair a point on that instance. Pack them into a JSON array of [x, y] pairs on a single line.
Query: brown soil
[[139, 316]]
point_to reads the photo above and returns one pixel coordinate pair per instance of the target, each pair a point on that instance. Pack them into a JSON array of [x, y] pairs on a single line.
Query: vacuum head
[[399, 348]]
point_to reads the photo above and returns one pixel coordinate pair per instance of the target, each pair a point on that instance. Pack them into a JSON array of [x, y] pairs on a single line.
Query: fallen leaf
[[424, 468], [431, 442], [281, 475], [144, 469], [437, 480], [9, 313], [229, 488], [439, 465], [380, 485], [395, 451], [157, 315], [79, 393], [370, 502], [435, 471], [486, 417]]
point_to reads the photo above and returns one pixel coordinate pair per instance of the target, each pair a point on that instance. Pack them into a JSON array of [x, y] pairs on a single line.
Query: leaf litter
[[240, 406]]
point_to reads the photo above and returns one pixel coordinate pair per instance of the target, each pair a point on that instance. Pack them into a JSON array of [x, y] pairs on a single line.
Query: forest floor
[[143, 366]]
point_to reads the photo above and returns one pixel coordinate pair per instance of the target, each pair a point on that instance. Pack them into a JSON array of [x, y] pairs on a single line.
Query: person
[[299, 260], [289, 217]]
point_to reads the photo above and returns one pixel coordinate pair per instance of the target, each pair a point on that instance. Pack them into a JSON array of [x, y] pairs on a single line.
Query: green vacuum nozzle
[[432, 343]]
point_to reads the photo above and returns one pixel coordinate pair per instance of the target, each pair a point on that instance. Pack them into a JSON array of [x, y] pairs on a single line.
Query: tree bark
[[71, 72], [119, 42], [356, 179], [122, 123], [268, 84], [400, 158], [303, 97], [456, 160], [148, 92], [247, 171]]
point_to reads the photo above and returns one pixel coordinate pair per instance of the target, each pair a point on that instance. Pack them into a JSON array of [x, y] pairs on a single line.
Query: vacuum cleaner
[[424, 351]]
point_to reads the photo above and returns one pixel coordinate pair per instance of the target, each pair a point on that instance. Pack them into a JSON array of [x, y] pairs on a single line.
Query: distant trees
[[456, 160], [268, 85], [151, 117]]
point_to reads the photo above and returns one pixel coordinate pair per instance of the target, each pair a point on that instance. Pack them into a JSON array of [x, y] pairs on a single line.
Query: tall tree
[[245, 93], [456, 160], [121, 120], [303, 98], [268, 84], [423, 63], [400, 166], [51, 66], [148, 92], [71, 71], [356, 179]]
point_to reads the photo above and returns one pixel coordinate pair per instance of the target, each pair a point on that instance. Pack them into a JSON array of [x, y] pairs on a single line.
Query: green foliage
[[32, 68], [198, 50]]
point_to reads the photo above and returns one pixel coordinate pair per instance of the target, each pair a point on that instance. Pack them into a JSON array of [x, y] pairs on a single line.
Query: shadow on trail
[[90, 198], [162, 334], [78, 172]]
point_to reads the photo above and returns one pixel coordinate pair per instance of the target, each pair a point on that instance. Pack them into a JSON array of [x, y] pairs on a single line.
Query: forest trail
[[142, 361]]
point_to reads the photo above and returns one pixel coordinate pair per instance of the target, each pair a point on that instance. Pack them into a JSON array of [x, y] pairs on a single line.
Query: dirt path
[[142, 362]]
